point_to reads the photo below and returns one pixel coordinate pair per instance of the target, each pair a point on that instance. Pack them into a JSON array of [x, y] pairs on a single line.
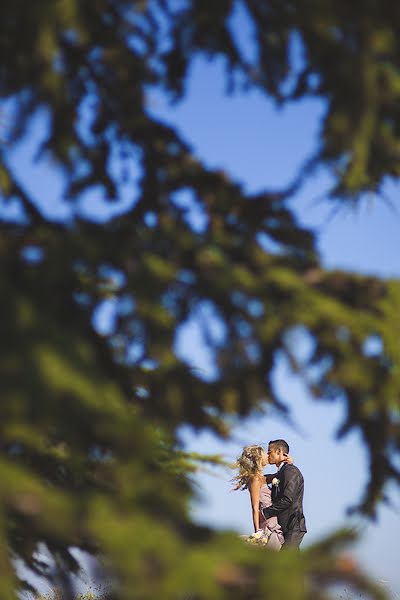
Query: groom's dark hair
[[276, 444]]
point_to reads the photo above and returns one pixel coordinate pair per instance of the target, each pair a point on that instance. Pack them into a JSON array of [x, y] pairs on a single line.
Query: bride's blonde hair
[[249, 464]]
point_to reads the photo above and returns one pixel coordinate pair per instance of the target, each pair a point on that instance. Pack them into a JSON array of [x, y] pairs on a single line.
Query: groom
[[287, 495]]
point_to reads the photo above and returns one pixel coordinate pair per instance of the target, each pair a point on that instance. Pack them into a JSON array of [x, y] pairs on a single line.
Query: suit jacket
[[287, 500]]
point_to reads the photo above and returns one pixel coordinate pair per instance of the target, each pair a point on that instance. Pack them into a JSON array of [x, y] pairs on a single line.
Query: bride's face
[[264, 459]]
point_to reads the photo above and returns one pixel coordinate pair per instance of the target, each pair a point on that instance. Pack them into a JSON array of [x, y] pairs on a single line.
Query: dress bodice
[[265, 496], [271, 523]]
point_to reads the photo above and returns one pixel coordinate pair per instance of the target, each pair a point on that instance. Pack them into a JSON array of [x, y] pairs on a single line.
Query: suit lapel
[[283, 467], [281, 474], [276, 488]]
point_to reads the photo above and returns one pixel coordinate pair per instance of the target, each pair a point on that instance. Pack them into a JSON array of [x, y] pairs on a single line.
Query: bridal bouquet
[[259, 538]]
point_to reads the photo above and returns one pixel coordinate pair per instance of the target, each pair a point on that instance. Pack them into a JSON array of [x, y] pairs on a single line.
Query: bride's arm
[[254, 486]]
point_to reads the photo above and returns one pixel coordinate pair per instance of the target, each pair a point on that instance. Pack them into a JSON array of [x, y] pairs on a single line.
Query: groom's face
[[275, 455]]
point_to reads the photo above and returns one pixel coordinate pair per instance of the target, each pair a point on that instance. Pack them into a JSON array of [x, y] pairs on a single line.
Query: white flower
[[259, 538], [257, 534], [275, 482]]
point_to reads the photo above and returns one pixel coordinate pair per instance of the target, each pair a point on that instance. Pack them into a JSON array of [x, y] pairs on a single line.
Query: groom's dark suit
[[287, 504]]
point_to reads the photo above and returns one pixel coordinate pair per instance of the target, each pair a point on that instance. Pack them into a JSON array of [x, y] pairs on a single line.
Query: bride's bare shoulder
[[257, 479]]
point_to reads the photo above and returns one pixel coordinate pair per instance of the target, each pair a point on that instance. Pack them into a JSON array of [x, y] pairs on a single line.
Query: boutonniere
[[275, 482]]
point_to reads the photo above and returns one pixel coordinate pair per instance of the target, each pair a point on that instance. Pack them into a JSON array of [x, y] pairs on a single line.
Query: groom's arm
[[289, 493]]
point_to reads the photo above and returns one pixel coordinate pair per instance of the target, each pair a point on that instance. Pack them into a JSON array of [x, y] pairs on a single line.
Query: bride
[[251, 464]]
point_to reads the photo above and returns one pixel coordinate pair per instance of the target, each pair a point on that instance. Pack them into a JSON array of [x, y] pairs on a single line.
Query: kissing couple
[[277, 499]]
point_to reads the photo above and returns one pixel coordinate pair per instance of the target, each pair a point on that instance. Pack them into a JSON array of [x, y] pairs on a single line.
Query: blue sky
[[264, 148]]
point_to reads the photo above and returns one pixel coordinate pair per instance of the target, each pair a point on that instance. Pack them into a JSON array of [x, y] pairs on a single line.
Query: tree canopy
[[90, 456]]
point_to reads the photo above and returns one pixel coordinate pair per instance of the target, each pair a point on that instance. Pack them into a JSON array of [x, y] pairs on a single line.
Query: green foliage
[[90, 455], [55, 595]]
